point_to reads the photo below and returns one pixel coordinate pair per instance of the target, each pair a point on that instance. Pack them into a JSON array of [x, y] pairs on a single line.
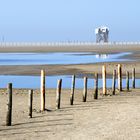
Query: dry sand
[[70, 48], [108, 118]]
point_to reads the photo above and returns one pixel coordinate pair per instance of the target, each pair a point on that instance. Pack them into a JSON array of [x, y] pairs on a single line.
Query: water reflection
[[102, 56], [57, 58]]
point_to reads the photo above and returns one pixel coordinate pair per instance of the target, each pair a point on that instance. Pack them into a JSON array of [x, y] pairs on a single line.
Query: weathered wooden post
[[30, 103], [9, 105], [58, 93], [96, 86], [42, 90], [72, 90], [104, 79], [85, 90], [119, 77], [114, 82], [127, 80], [133, 78]]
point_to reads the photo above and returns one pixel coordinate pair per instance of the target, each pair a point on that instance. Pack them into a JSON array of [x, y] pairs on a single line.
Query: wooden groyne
[[104, 91]]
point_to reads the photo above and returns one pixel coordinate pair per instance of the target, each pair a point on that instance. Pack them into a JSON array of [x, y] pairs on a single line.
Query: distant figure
[[102, 34]]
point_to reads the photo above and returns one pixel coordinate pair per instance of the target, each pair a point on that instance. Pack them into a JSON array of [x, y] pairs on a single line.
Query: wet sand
[[80, 69], [134, 61]]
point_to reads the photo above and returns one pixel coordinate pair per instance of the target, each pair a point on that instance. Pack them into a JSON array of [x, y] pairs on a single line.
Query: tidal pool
[[53, 58], [57, 58]]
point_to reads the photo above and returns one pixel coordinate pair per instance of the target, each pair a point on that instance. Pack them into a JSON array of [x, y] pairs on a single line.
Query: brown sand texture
[[110, 117]]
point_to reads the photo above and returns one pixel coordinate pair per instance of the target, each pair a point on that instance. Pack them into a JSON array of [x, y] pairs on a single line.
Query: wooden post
[[9, 105], [114, 82], [96, 86], [58, 93], [119, 77], [85, 90], [104, 79], [72, 90], [42, 90], [127, 80], [30, 103], [133, 78]]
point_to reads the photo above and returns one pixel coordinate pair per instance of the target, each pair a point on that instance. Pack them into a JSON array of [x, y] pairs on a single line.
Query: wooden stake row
[[59, 87], [119, 79]]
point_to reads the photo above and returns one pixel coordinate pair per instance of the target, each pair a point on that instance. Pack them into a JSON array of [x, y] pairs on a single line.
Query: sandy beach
[[108, 118], [72, 48], [69, 70]]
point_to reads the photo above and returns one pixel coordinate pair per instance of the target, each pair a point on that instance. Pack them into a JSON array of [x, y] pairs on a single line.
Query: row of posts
[[59, 86], [119, 79]]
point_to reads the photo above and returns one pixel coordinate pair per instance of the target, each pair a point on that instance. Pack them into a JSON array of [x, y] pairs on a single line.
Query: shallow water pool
[[57, 58], [51, 82]]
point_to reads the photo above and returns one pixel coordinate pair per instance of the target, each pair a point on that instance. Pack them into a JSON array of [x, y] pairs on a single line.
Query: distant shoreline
[[103, 48]]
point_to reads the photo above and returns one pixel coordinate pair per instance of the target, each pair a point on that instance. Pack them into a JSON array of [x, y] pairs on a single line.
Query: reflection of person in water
[[102, 56]]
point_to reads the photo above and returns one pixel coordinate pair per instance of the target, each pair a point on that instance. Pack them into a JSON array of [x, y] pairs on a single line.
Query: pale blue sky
[[68, 20]]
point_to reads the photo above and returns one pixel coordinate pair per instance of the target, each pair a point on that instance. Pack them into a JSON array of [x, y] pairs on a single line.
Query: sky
[[68, 20]]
